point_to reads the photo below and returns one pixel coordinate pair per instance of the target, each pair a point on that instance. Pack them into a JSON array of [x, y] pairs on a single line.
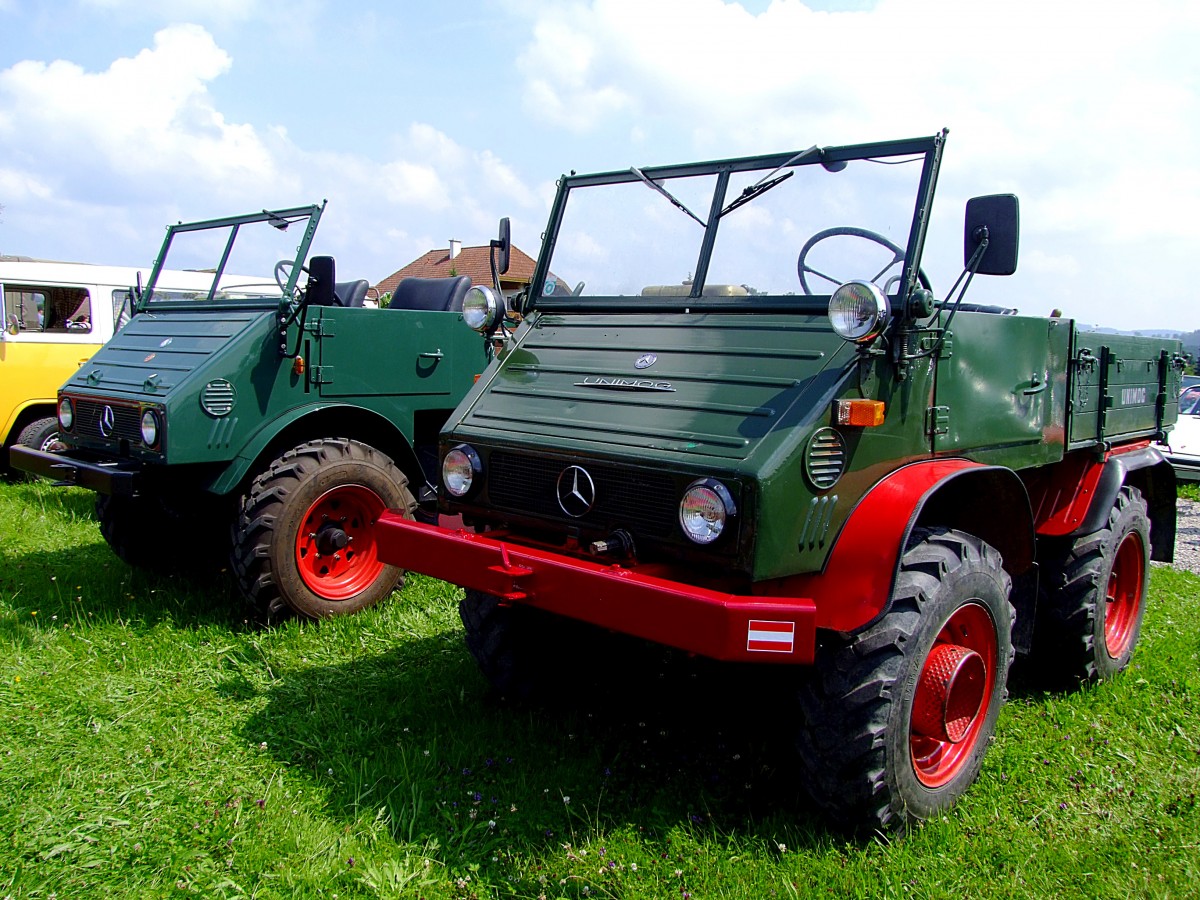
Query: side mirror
[[321, 276], [503, 245], [995, 217], [12, 326]]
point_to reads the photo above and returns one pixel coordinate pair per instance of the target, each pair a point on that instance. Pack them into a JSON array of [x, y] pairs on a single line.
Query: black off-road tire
[[186, 536], [1094, 595], [41, 434], [863, 759], [304, 539]]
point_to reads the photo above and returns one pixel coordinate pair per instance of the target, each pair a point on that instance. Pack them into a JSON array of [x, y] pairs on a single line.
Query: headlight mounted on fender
[[462, 470], [858, 311], [481, 308], [705, 510]]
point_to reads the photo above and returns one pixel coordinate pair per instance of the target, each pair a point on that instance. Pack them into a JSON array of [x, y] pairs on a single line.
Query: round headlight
[[858, 311], [480, 308], [150, 428], [705, 509], [460, 469], [66, 414]]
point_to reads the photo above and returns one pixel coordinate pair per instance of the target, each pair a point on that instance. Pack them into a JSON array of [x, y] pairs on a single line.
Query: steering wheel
[[283, 271], [802, 267]]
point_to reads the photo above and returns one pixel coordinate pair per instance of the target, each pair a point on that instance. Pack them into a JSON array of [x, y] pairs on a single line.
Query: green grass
[[1189, 490], [154, 743]]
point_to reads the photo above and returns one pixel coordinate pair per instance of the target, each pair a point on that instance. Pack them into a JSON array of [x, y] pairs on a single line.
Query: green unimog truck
[[264, 423], [740, 418]]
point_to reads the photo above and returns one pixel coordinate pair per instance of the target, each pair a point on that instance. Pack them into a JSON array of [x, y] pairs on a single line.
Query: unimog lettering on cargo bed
[[805, 455], [263, 422]]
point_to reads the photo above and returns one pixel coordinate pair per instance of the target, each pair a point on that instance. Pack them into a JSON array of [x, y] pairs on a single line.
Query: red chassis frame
[[699, 620], [851, 591]]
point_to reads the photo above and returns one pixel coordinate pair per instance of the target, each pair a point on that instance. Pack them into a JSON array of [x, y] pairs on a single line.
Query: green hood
[[155, 352], [702, 389]]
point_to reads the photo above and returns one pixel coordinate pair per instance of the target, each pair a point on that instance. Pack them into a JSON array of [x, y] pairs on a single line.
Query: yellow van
[[56, 315]]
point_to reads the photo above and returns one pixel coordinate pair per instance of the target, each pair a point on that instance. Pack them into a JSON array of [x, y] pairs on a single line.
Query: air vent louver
[[825, 460], [218, 398]]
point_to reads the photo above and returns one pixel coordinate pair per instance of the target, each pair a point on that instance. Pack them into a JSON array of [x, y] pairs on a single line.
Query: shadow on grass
[[88, 580], [668, 743]]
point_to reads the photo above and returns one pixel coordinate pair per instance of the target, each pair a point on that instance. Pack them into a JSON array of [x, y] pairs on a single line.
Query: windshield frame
[[310, 215], [772, 166]]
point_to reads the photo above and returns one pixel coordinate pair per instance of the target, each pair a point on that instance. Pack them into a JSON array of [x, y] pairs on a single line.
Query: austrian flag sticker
[[764, 636]]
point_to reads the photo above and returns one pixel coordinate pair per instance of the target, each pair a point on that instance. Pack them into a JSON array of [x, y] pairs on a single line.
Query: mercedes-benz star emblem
[[576, 491], [646, 360], [108, 421]]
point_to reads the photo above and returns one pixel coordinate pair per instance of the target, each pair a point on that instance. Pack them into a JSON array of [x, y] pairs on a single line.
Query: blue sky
[[423, 122]]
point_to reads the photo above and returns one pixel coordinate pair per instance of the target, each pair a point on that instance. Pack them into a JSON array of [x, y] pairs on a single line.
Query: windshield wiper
[[759, 187], [768, 181], [277, 221], [662, 190]]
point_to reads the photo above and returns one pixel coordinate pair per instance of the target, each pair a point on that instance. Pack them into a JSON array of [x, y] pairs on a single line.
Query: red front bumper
[[710, 623]]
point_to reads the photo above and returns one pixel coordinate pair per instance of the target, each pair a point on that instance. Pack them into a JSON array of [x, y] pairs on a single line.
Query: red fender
[[1066, 495], [857, 581]]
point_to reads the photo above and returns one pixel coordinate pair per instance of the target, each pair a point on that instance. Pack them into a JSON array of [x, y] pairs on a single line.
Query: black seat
[[350, 293], [438, 294]]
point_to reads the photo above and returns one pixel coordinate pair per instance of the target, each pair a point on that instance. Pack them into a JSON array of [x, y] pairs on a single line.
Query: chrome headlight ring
[[462, 470], [705, 510]]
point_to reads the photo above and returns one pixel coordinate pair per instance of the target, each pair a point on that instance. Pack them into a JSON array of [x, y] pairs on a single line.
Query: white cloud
[[142, 120], [91, 156], [1087, 109]]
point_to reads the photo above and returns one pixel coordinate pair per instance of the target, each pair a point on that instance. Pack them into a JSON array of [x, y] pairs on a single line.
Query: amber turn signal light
[[861, 413]]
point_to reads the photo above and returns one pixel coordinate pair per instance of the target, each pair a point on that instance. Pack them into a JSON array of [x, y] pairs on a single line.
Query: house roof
[[471, 261]]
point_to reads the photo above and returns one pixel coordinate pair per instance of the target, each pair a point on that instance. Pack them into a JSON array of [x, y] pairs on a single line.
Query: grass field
[[154, 743]]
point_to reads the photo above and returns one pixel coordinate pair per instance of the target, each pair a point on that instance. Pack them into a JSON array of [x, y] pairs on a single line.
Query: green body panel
[[380, 353], [734, 381], [362, 360], [1116, 390], [1002, 381]]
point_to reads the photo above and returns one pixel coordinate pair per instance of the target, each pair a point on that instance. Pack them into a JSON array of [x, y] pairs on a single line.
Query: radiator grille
[[90, 417], [644, 503]]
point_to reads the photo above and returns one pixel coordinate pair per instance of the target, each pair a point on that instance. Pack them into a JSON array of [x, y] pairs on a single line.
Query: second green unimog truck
[[739, 419]]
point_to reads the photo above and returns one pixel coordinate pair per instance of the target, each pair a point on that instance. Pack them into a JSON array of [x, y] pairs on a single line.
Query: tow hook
[[618, 544]]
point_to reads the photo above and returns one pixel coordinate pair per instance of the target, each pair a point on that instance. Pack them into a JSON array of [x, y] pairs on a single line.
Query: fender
[[288, 430], [1074, 497], [1114, 472], [856, 585], [24, 413]]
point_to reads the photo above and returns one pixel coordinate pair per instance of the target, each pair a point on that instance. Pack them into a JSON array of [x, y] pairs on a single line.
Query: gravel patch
[[1187, 535]]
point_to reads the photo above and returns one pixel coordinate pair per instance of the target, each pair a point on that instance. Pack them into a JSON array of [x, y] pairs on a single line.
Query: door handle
[[436, 354], [1036, 385]]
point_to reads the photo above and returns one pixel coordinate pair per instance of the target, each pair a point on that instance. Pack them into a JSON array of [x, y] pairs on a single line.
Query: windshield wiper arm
[[662, 190], [791, 162], [277, 221], [759, 187]]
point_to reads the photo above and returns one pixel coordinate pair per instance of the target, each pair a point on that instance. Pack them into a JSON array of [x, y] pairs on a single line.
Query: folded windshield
[[788, 225]]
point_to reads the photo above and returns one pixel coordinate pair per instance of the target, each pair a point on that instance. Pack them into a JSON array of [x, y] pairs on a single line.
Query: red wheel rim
[[957, 681], [1123, 598], [336, 553]]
